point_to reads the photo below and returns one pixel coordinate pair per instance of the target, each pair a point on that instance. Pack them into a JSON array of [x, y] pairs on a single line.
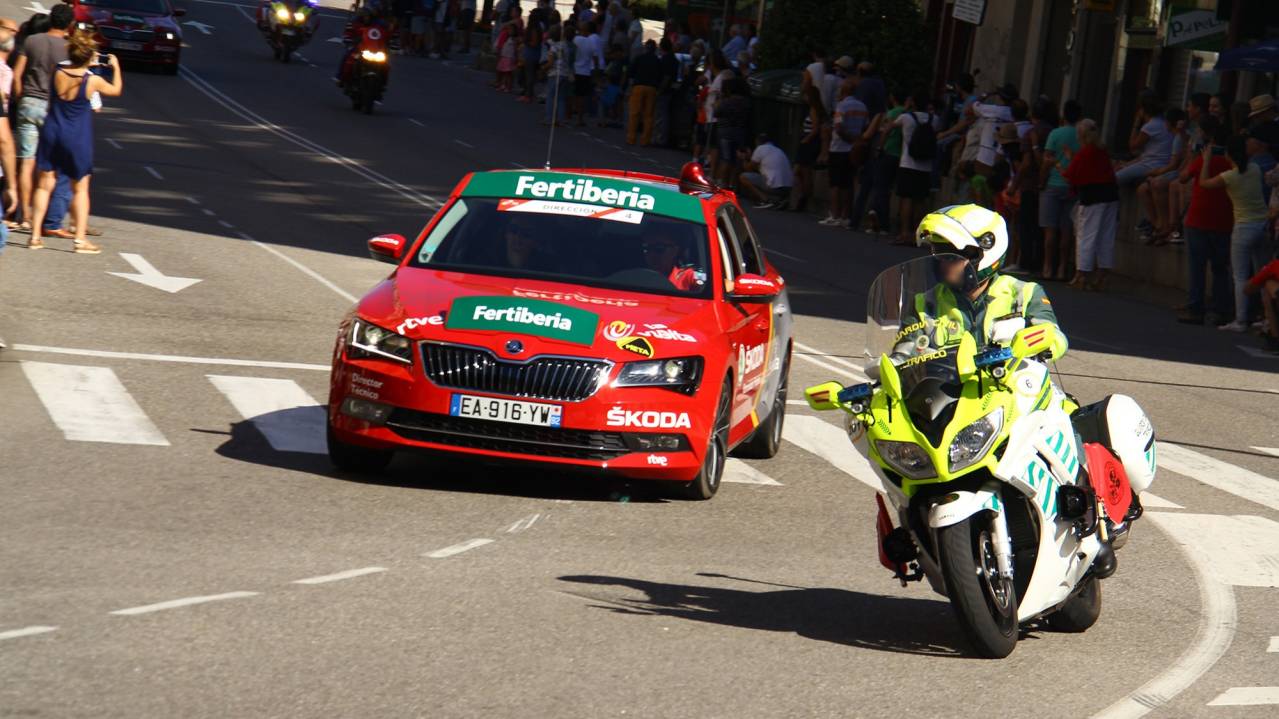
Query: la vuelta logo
[[617, 330]]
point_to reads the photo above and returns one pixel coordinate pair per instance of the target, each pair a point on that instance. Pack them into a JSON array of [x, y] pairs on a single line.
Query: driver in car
[[971, 295], [522, 248], [662, 254]]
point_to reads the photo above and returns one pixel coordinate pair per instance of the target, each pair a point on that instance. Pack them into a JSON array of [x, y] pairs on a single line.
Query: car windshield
[[572, 243], [150, 7]]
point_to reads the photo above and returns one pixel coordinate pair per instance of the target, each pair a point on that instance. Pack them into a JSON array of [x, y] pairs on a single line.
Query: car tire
[[766, 440], [706, 483], [355, 459]]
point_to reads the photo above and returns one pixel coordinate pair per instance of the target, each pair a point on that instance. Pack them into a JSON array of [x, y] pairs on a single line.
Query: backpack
[[923, 141]]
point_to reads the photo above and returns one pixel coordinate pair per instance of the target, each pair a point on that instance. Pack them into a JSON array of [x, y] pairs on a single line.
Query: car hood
[[538, 317]]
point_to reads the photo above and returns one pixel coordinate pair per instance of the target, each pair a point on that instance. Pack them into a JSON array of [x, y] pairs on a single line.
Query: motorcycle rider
[[972, 293], [351, 35]]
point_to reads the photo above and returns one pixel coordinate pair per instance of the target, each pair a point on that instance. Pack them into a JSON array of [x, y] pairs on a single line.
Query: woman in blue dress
[[66, 140]]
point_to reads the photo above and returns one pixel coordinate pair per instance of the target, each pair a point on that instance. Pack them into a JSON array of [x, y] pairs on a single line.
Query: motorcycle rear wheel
[[984, 603]]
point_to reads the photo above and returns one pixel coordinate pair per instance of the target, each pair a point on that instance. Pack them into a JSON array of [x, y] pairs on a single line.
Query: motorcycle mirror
[[823, 396], [889, 379], [964, 355]]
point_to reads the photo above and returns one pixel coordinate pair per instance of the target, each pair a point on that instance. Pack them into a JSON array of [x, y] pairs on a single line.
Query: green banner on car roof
[[586, 189]]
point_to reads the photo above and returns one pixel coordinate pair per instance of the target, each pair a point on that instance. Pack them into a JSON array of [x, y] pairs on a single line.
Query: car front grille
[[505, 437], [559, 379], [115, 33]]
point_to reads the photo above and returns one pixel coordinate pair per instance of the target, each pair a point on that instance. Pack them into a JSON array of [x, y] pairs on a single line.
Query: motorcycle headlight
[[372, 341], [282, 13], [906, 458], [974, 441], [299, 16], [680, 373], [373, 55]]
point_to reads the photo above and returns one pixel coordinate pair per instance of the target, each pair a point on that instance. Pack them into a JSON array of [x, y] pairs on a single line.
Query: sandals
[[60, 234], [35, 245], [84, 247]]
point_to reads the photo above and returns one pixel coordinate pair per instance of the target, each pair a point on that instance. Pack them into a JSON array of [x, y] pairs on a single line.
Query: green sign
[[642, 196], [525, 316]]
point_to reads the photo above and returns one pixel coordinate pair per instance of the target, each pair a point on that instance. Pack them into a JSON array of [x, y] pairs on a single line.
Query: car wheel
[[767, 438], [356, 459], [706, 484]]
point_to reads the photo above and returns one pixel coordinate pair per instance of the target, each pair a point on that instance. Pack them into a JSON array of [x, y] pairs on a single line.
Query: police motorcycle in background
[[287, 26], [1010, 499], [366, 69]]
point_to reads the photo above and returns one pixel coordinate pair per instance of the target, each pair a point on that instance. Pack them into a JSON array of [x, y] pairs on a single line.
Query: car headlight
[[974, 441], [282, 13], [370, 340], [907, 458], [299, 16], [682, 373], [170, 36], [373, 55]]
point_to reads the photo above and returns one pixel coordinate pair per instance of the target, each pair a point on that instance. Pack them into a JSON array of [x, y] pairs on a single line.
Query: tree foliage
[[890, 33]]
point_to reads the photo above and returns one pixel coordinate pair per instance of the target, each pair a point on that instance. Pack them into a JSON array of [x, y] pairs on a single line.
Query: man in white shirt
[[766, 176]]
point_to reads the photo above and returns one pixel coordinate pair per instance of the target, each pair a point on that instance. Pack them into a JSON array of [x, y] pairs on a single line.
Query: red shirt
[[1210, 210], [1090, 166], [1269, 273]]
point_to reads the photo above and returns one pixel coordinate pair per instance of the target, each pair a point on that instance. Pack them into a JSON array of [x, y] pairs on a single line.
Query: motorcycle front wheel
[[984, 602]]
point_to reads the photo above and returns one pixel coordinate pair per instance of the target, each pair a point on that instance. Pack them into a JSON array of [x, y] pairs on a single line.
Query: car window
[[573, 243], [752, 260], [728, 254]]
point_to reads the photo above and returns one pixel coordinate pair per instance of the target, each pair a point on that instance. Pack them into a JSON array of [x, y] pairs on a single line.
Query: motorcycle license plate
[[286, 32], [506, 410], [126, 45]]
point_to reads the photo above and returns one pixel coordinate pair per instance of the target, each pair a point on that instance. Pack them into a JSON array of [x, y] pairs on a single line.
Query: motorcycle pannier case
[[1119, 424]]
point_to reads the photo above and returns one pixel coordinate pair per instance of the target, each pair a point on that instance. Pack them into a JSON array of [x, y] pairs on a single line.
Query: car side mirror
[[754, 288], [179, 11], [387, 248]]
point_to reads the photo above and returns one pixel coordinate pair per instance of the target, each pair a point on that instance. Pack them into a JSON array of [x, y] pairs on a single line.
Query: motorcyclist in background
[[972, 294], [364, 19]]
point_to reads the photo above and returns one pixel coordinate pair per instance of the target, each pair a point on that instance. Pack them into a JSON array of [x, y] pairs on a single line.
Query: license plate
[[506, 410], [126, 45]]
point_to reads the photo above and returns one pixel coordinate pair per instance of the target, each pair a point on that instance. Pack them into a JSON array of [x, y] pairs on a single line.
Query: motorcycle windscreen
[[891, 314]]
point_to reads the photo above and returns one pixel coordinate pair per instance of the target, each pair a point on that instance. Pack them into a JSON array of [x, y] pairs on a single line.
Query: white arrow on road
[[202, 27], [148, 275], [36, 7]]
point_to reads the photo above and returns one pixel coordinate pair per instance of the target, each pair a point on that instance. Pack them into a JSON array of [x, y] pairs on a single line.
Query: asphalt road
[[587, 599]]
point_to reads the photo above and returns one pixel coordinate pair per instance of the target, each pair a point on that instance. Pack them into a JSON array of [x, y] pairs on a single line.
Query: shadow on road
[[841, 616], [424, 470]]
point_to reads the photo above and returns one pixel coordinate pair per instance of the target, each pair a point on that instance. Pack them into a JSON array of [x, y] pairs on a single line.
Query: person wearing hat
[[1261, 109]]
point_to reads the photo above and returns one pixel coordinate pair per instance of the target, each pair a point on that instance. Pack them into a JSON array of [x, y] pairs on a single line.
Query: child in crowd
[[507, 40]]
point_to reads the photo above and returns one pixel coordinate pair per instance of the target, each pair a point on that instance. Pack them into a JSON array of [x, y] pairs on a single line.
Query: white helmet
[[971, 231]]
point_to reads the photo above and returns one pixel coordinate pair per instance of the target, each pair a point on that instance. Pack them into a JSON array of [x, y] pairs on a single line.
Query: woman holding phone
[[66, 140]]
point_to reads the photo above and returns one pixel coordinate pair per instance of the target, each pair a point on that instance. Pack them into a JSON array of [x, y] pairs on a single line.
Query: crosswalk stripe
[[90, 404], [735, 470], [1241, 551], [1213, 472], [1268, 450], [831, 444], [282, 411], [1246, 696]]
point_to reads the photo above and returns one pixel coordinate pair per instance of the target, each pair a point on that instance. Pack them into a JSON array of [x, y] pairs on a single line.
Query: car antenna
[[555, 120]]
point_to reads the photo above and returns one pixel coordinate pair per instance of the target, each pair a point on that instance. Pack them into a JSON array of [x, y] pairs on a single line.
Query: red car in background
[[591, 319], [142, 31]]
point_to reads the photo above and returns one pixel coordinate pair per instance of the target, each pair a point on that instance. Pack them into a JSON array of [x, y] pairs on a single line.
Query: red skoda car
[[144, 31], [587, 319]]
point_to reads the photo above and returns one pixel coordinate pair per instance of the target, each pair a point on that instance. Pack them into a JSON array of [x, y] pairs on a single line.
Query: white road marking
[[114, 144], [793, 258], [356, 166], [831, 444], [458, 548], [37, 6], [193, 201], [1153, 501], [735, 470], [288, 417], [89, 404], [419, 123], [464, 144], [25, 632], [1246, 697], [204, 28], [851, 371], [516, 164], [209, 212], [226, 224], [312, 64], [168, 358], [1268, 450], [1217, 624], [153, 172], [1274, 645], [1241, 550], [1257, 352], [796, 403], [184, 602], [147, 274], [332, 39], [339, 576], [304, 270], [1219, 475], [522, 524]]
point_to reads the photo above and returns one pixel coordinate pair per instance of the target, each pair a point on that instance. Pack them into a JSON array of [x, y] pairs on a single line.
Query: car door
[[749, 325]]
